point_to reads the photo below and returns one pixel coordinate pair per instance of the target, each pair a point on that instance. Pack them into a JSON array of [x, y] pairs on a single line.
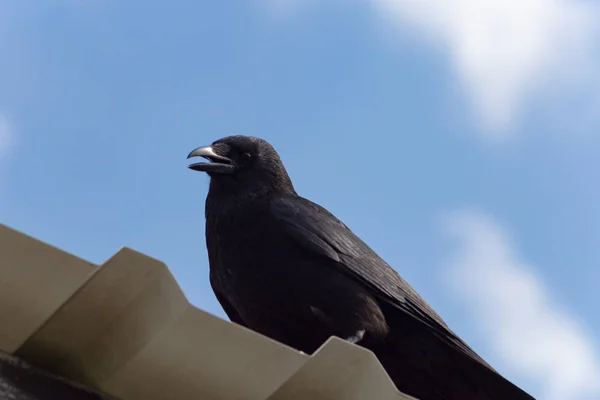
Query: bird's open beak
[[218, 164]]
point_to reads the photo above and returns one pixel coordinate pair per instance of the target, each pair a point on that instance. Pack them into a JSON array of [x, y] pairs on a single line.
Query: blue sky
[[459, 139]]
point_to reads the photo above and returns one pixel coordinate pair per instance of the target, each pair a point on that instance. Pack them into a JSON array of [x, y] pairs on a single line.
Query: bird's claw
[[356, 338]]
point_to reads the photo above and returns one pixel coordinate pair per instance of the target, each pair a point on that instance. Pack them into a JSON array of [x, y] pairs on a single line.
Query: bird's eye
[[246, 157]]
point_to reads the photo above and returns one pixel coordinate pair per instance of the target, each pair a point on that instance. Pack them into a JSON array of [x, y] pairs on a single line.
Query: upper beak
[[218, 164]]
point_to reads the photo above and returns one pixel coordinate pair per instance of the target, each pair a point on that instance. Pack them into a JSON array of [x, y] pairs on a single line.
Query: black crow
[[287, 268]]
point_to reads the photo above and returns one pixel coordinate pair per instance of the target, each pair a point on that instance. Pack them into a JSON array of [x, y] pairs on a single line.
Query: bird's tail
[[427, 365]]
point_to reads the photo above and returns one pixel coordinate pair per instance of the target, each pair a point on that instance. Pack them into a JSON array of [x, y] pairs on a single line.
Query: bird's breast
[[241, 249]]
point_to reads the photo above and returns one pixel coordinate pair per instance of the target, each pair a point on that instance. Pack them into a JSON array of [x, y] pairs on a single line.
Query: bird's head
[[242, 164]]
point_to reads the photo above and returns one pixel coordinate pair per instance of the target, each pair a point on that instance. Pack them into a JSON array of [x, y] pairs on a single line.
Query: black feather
[[289, 269]]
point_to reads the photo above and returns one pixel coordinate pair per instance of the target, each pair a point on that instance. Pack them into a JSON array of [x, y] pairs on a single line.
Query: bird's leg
[[356, 338]]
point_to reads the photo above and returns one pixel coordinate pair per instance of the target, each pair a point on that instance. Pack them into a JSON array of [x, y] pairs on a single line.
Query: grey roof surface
[[126, 329]]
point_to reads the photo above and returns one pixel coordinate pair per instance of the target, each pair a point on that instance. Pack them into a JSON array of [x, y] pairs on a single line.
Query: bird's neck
[[223, 203], [240, 192]]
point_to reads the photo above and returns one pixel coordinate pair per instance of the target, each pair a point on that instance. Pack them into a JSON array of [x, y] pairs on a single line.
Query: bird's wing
[[319, 231]]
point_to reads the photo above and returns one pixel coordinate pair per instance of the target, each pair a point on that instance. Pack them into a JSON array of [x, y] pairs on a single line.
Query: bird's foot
[[356, 338]]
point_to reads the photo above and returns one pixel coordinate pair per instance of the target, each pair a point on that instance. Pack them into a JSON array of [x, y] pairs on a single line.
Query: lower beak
[[217, 164]]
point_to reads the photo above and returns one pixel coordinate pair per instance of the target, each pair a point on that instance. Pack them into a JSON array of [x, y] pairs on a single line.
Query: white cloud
[[5, 136], [526, 328], [508, 52], [507, 55]]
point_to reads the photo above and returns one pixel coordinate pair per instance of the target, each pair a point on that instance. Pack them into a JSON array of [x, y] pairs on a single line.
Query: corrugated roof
[[126, 328]]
